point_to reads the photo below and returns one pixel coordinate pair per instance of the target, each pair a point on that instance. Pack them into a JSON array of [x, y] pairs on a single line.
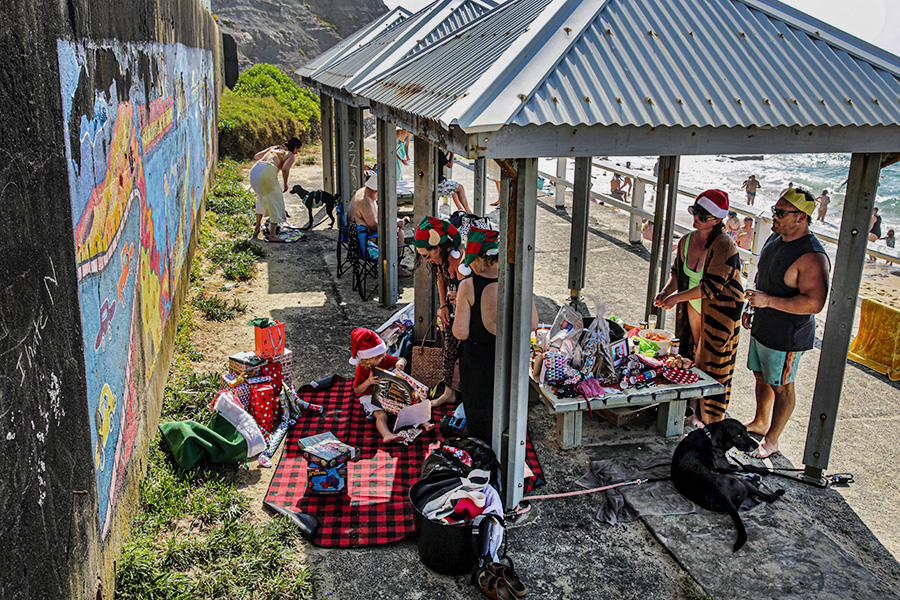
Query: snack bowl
[[660, 337]]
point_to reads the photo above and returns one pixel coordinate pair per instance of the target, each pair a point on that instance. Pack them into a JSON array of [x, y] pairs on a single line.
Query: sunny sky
[[875, 21]]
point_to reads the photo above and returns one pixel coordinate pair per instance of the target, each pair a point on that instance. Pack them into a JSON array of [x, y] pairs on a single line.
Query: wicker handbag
[[427, 362]]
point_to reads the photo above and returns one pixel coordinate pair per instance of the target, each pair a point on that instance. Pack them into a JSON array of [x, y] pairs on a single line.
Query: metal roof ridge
[[438, 13], [535, 45], [827, 33]]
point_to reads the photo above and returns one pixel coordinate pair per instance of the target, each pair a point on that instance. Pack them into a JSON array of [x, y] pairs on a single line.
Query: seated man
[[615, 187], [449, 187], [363, 208]]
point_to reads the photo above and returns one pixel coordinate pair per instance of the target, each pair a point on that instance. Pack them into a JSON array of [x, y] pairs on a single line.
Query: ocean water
[[815, 172]]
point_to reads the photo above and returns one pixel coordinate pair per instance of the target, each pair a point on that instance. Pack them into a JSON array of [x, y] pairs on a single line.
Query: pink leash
[[590, 491]]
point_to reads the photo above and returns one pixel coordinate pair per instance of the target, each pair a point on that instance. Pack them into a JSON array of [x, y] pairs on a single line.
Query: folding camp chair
[[346, 233], [365, 265]]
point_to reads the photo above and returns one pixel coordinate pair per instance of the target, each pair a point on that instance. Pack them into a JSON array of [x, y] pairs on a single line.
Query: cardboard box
[[627, 414], [326, 451], [326, 481]]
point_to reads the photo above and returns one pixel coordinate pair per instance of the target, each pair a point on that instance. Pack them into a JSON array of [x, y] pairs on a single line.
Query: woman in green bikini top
[[705, 285]]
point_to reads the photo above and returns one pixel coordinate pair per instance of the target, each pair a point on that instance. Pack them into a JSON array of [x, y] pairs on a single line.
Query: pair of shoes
[[493, 586], [507, 574]]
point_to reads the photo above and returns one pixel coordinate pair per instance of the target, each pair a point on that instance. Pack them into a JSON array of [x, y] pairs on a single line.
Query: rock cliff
[[287, 33]]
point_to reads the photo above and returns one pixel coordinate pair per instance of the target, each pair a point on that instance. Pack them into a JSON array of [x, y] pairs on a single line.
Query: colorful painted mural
[[139, 123]]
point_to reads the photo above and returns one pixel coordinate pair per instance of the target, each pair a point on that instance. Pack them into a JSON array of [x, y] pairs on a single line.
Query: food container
[[660, 337]]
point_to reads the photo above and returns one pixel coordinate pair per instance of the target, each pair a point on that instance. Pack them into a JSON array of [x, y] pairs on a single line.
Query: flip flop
[[507, 574], [493, 586]]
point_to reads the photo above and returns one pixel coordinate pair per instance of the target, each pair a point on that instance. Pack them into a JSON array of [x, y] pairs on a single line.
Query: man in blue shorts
[[791, 287]]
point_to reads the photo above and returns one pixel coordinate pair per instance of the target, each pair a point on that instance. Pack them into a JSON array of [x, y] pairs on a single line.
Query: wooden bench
[[671, 397]]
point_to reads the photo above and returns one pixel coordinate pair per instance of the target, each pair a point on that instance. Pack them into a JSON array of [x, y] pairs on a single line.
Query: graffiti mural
[[139, 132]]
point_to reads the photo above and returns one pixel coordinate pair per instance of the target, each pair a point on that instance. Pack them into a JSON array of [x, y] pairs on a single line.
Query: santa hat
[[715, 202], [433, 232], [365, 343], [480, 241]]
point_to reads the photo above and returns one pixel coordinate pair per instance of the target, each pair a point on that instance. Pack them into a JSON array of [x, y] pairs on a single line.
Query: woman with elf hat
[[438, 242], [476, 328], [705, 284]]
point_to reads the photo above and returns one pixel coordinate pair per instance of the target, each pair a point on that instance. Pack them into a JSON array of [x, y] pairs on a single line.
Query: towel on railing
[[877, 344]]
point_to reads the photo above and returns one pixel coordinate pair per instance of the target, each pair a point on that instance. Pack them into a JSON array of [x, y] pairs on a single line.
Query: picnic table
[[671, 397]]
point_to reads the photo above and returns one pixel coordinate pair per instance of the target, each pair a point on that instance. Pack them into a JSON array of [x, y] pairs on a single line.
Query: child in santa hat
[[367, 351]]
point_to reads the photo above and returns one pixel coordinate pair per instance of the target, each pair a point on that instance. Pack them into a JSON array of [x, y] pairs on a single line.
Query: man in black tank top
[[791, 287]]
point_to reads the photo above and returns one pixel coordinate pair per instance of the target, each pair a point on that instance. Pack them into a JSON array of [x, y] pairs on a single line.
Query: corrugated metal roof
[[468, 11], [700, 63], [355, 69], [353, 41]]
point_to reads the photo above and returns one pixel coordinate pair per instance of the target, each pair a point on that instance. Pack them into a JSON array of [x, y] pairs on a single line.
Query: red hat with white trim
[[715, 202], [365, 343]]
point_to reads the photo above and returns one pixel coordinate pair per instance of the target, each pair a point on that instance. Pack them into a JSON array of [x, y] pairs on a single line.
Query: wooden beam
[[581, 210], [342, 145], [479, 195], [425, 204], [387, 212], [326, 110], [665, 261], [356, 149], [848, 266]]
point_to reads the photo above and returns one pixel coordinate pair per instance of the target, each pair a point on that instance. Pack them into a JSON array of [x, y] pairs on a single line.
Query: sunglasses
[[702, 216], [779, 213]]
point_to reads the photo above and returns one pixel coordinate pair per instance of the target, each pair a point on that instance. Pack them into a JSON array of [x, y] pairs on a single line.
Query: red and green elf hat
[[433, 232], [481, 242]]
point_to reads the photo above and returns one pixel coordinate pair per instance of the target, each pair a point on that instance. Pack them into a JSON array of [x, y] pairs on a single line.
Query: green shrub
[[236, 259], [217, 309], [247, 125], [263, 81]]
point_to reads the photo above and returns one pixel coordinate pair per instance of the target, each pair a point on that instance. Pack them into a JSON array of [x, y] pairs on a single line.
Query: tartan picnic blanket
[[376, 508]]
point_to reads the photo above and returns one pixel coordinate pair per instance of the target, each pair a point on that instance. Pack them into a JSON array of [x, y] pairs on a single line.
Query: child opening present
[[368, 350]]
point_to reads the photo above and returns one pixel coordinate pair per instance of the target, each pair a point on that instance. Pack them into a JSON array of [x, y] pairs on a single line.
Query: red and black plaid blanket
[[376, 507]]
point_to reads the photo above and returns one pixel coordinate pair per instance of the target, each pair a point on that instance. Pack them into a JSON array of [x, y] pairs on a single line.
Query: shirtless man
[[751, 185], [364, 209], [745, 235], [791, 287], [823, 201], [615, 187]]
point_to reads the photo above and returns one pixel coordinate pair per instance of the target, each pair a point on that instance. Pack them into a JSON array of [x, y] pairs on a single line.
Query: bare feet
[[255, 233], [274, 238], [390, 438], [449, 395], [427, 426], [497, 203], [757, 428], [765, 450], [693, 420]]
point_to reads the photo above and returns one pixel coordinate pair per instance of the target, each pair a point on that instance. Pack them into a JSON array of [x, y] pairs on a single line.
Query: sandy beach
[[881, 282]]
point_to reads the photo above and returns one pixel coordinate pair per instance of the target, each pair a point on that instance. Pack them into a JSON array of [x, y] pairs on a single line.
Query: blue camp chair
[[346, 233], [365, 268]]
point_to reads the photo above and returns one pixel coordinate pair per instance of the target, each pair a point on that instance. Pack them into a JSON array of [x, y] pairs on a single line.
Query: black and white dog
[[702, 473], [314, 199]]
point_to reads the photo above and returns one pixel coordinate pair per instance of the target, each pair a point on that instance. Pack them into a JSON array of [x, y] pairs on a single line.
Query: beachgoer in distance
[[403, 138], [789, 186], [791, 287], [822, 202], [264, 181], [449, 187], [874, 229], [615, 187], [890, 241], [705, 285], [745, 235], [438, 242], [367, 351], [752, 185], [626, 181], [732, 224], [363, 208], [476, 328]]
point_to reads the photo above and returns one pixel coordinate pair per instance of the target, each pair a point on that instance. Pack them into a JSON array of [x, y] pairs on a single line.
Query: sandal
[[493, 586], [507, 574]]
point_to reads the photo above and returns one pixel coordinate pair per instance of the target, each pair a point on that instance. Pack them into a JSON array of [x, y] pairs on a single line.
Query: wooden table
[[671, 397]]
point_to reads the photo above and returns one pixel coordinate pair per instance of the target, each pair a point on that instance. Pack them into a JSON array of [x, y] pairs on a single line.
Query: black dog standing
[[314, 199], [702, 473]]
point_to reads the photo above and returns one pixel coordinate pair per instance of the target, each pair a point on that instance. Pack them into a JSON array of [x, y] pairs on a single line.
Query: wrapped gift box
[[245, 362], [286, 360], [265, 406]]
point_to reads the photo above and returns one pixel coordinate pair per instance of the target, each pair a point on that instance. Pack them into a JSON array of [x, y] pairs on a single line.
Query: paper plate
[[681, 376]]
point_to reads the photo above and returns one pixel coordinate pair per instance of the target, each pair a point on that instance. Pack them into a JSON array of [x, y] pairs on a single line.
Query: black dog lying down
[[701, 472], [314, 199]]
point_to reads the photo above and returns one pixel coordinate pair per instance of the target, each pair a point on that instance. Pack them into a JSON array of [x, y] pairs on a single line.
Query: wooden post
[[636, 222], [387, 212], [326, 110], [356, 149], [659, 214], [848, 266], [424, 204], [514, 300], [559, 194], [342, 149], [581, 210], [479, 192], [669, 222]]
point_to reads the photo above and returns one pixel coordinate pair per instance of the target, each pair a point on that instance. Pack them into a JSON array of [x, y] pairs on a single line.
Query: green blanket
[[192, 442]]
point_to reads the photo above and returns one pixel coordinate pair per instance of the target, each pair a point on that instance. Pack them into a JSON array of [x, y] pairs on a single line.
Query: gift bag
[[555, 367], [269, 340]]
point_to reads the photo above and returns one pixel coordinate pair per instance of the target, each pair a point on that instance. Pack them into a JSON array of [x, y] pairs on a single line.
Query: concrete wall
[[107, 145]]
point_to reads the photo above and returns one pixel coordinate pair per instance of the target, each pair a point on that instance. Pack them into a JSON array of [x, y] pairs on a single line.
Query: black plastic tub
[[444, 548]]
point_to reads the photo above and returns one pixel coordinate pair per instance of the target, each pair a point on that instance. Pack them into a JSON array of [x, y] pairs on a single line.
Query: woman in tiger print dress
[[707, 271]]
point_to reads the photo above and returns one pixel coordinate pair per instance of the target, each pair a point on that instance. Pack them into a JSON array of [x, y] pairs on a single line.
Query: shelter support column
[[514, 301], [342, 149], [637, 201], [326, 113], [848, 266], [479, 195], [581, 209], [559, 195], [425, 204], [355, 149], [663, 229], [387, 212]]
